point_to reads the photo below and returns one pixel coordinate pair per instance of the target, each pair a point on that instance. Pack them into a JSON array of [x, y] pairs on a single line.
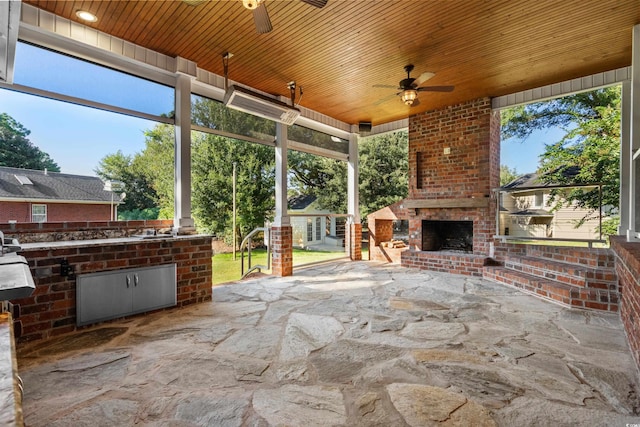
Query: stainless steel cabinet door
[[102, 296], [154, 288], [113, 294]]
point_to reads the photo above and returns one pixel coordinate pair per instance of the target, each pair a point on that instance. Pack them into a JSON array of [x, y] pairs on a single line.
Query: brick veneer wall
[[380, 225], [380, 230], [51, 309], [282, 251], [21, 211], [354, 241], [628, 270], [471, 133]]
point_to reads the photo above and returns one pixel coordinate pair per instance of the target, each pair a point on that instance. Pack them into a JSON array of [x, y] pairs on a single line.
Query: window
[[75, 77], [539, 199], [309, 230], [318, 228], [38, 213], [318, 139]]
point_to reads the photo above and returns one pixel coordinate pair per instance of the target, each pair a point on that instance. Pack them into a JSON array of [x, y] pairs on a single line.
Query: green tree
[[141, 199], [590, 147], [307, 172], [383, 172], [212, 165], [507, 174], [212, 182], [155, 165], [17, 151]]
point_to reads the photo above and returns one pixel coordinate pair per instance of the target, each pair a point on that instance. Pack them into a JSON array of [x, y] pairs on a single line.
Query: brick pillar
[[281, 251], [354, 241]]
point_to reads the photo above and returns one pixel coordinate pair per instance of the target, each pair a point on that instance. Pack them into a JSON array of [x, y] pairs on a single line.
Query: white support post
[[353, 200], [281, 218], [182, 220], [633, 232], [626, 161]]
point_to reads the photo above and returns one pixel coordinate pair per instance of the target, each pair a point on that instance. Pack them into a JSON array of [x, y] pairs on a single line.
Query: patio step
[[573, 277], [545, 288], [569, 273]]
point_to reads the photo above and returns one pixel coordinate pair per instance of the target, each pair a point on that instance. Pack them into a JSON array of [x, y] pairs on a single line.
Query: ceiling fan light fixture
[[251, 4], [408, 96]]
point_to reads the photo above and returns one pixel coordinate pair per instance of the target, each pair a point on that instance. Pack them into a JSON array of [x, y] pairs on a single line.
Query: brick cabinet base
[[51, 309]]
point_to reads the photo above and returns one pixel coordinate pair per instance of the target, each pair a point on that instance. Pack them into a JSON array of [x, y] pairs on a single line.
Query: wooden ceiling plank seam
[[221, 18]]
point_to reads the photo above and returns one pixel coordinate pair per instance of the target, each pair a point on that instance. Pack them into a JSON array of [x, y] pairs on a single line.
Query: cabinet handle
[[128, 281], [135, 280]]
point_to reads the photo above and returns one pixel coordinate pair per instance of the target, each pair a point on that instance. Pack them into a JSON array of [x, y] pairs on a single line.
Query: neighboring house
[[40, 196], [526, 210], [311, 229]]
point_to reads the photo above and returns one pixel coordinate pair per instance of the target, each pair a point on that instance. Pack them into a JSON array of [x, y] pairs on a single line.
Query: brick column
[[281, 251], [354, 241]]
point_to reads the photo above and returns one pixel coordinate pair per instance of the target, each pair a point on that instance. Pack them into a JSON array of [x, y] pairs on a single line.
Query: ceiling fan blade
[[386, 86], [316, 3], [261, 19], [424, 77], [435, 89], [416, 102], [385, 99]]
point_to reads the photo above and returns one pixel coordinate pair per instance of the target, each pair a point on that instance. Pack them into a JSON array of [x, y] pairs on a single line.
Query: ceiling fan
[[260, 14], [410, 87]]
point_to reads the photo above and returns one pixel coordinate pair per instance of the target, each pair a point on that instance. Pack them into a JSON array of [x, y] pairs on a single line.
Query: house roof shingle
[[300, 202], [532, 180], [51, 186]]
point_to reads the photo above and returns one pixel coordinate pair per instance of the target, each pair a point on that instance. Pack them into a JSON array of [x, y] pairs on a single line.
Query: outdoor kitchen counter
[[51, 309], [112, 241]]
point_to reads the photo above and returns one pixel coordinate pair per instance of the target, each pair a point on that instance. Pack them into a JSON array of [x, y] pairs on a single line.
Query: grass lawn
[[225, 269]]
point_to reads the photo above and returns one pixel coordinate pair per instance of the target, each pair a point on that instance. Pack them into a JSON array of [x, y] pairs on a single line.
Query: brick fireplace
[[454, 163]]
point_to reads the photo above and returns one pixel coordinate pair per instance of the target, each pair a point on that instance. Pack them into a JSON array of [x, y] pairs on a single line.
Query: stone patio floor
[[341, 344]]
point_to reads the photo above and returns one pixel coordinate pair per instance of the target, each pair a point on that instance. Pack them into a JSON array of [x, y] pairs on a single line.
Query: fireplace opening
[[447, 236]]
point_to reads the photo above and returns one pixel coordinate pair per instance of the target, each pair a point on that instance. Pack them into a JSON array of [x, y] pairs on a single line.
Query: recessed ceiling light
[[86, 16]]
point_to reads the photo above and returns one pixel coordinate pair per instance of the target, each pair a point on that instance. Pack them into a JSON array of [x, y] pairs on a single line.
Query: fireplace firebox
[[447, 236]]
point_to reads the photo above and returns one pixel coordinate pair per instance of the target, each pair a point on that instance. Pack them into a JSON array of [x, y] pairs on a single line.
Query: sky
[[524, 155], [77, 138]]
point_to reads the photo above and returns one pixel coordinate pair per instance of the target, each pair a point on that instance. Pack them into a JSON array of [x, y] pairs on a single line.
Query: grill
[[15, 276]]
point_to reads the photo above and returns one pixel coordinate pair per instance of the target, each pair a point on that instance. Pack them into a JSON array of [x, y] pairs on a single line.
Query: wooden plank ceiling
[[338, 53]]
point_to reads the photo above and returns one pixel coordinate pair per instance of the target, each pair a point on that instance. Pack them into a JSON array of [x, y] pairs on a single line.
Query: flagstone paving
[[341, 344]]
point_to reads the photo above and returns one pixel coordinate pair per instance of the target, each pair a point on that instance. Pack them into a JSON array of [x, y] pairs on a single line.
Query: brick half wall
[[628, 270], [51, 309]]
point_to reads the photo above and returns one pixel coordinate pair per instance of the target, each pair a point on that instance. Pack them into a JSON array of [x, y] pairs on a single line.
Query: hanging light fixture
[[408, 96], [251, 4]]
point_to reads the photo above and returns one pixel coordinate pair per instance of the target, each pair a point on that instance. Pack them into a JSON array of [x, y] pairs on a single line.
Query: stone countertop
[[10, 405], [104, 242]]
